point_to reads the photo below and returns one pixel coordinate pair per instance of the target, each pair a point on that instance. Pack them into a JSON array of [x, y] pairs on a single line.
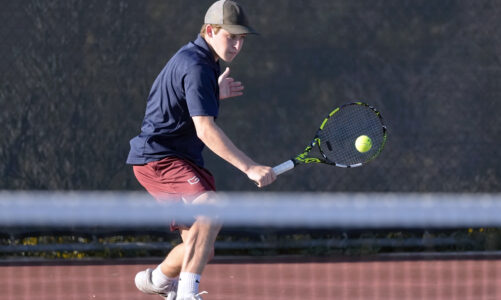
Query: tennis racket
[[336, 138]]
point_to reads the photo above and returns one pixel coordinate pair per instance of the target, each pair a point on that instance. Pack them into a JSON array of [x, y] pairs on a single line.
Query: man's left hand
[[228, 87]]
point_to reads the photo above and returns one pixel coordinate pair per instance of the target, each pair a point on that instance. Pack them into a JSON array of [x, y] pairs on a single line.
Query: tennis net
[[272, 245]]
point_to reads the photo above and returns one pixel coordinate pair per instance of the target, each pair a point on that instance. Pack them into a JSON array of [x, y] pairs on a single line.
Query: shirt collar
[[201, 43]]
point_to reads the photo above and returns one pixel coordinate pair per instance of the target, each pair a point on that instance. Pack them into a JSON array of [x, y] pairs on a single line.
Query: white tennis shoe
[[145, 285], [171, 296], [193, 297]]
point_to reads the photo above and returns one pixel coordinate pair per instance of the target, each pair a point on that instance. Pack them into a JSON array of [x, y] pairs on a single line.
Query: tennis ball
[[363, 143]]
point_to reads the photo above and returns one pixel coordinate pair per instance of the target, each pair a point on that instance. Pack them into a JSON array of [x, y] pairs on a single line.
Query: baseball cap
[[230, 15]]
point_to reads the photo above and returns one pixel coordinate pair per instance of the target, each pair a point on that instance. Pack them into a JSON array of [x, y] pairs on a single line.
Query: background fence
[[74, 77]]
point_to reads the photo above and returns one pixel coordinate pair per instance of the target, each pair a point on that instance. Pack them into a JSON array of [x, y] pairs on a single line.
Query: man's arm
[[216, 140]]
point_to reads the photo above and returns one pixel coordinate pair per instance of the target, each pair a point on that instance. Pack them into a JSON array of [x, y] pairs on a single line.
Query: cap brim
[[239, 29]]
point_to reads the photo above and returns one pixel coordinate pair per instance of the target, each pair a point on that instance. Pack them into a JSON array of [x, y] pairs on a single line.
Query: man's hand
[[261, 175], [228, 87]]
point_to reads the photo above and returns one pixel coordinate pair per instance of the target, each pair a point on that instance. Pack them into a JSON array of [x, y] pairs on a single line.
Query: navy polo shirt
[[186, 87]]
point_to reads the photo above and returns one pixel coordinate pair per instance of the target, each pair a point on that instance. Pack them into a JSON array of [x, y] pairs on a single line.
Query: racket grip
[[284, 167]]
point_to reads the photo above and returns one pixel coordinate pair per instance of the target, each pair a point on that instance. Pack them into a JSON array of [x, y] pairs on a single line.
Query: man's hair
[[215, 28]]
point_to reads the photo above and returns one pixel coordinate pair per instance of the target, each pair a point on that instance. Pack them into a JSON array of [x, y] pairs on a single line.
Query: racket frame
[[304, 158]]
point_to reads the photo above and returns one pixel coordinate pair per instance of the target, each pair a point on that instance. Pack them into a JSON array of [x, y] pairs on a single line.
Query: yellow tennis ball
[[363, 143]]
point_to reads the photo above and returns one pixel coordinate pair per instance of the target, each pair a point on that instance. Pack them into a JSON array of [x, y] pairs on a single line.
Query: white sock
[[188, 284], [159, 279]]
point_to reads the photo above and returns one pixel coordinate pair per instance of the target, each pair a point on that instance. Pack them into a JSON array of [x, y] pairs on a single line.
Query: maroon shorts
[[174, 179]]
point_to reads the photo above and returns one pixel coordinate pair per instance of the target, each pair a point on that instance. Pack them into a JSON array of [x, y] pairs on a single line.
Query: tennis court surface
[[269, 279], [301, 246]]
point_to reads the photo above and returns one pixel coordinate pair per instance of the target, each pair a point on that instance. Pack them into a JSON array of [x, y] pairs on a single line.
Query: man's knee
[[208, 197]]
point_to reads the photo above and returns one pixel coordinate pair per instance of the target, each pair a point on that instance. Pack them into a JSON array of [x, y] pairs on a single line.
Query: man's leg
[[173, 177], [171, 265], [198, 243], [162, 280]]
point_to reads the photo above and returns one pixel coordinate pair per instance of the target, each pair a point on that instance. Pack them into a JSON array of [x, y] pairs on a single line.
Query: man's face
[[226, 45]]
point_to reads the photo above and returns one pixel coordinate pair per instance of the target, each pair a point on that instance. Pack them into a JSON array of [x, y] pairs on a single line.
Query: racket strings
[[337, 138]]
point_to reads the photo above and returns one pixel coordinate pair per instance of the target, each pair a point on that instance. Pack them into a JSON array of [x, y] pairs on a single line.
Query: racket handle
[[284, 167]]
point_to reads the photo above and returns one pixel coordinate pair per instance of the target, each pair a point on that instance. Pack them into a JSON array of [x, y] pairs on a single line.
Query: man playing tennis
[[179, 121]]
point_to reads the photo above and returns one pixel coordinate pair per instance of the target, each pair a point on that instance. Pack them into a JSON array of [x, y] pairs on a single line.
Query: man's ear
[[209, 30]]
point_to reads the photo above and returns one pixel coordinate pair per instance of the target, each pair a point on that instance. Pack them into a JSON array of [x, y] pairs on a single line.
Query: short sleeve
[[202, 91]]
